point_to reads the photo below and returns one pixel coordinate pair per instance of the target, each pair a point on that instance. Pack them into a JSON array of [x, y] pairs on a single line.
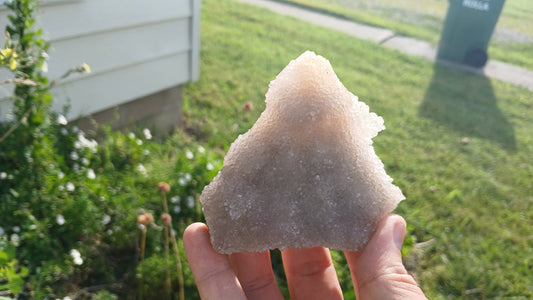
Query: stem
[[179, 267], [143, 243], [14, 127], [143, 246], [165, 206], [167, 280], [198, 208]]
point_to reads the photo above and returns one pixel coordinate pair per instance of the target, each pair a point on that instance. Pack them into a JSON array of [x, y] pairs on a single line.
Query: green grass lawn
[[459, 145], [512, 41]]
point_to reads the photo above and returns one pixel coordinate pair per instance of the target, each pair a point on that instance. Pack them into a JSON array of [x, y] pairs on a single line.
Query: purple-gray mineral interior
[[305, 174]]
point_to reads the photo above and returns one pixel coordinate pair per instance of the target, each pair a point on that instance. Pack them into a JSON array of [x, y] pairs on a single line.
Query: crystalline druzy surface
[[306, 173]]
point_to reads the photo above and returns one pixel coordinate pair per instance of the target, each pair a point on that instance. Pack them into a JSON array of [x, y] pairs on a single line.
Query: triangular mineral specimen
[[306, 173]]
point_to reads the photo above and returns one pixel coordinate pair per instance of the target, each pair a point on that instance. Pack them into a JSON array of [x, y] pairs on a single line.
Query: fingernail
[[399, 234]]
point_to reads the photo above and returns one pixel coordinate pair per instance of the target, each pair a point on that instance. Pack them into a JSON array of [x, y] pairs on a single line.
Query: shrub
[[69, 204]]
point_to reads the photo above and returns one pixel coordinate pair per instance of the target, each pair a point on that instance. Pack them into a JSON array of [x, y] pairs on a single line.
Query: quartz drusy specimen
[[306, 173]]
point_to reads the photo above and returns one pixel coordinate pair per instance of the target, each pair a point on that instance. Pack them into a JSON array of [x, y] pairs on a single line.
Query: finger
[[378, 272], [255, 274], [212, 271], [311, 274]]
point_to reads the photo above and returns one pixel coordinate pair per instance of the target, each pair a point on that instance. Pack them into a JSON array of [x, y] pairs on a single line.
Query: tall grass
[[459, 145]]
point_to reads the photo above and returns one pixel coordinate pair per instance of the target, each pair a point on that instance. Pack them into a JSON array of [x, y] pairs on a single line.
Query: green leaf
[[15, 279], [4, 258]]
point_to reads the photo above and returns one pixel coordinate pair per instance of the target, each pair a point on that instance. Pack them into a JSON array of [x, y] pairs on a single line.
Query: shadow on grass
[[466, 103]]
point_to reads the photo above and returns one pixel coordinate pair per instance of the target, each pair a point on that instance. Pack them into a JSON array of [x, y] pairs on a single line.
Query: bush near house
[[70, 204]]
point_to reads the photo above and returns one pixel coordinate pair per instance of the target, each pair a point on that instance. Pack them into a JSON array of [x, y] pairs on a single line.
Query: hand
[[377, 272]]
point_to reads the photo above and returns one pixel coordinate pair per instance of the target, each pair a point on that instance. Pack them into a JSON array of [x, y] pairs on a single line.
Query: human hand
[[377, 272]]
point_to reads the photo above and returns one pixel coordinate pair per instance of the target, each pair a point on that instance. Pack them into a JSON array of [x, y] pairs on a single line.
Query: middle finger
[[255, 274], [311, 274]]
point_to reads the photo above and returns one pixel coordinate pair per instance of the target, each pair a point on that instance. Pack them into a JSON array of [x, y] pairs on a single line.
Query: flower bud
[[145, 219], [167, 219], [163, 187]]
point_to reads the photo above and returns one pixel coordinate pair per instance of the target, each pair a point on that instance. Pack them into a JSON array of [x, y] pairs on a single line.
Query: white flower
[[147, 134], [67, 298], [189, 154], [131, 135], [74, 155], [139, 142], [106, 219], [90, 174], [190, 201], [75, 253], [60, 219], [86, 143], [182, 181], [61, 187], [3, 175], [60, 175], [16, 229], [61, 120], [76, 257], [175, 199], [70, 187], [141, 169], [75, 129], [64, 131], [201, 149], [146, 151], [176, 209], [209, 166], [85, 161], [15, 239], [44, 68], [187, 177]]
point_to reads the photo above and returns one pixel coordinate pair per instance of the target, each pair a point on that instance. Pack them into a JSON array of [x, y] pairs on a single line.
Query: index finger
[[212, 271]]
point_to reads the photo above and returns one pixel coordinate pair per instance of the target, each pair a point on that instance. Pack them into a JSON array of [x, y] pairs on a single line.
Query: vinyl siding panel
[[74, 18], [135, 48], [127, 83]]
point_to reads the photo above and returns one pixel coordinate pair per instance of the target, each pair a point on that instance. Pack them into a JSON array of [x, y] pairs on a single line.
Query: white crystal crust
[[305, 174]]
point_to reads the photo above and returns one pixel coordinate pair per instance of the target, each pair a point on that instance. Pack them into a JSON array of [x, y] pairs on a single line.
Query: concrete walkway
[[493, 69]]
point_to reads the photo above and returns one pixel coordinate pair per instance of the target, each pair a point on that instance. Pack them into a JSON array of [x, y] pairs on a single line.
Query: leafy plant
[[11, 273], [69, 202]]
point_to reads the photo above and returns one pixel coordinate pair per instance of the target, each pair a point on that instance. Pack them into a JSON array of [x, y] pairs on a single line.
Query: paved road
[[493, 69]]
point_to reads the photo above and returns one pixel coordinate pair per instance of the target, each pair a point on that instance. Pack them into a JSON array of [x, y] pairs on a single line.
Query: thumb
[[378, 272]]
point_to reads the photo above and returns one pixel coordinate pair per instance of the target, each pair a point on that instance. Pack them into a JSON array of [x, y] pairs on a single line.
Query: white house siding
[[134, 48]]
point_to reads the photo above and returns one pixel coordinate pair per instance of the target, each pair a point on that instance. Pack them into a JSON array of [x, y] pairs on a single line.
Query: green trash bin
[[467, 30]]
